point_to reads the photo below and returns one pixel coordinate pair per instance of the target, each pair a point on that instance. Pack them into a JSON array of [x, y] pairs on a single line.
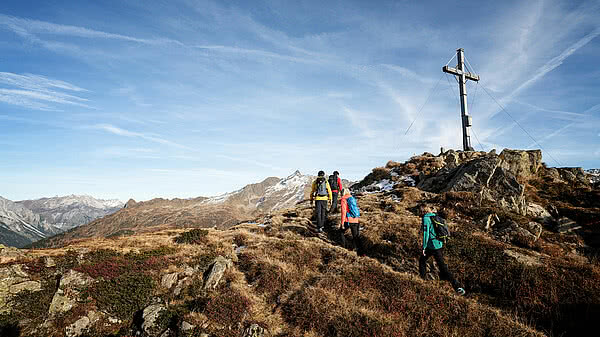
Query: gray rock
[[77, 328], [150, 315], [484, 176], [254, 330], [524, 165], [27, 285], [216, 272], [67, 294], [535, 229], [539, 213], [49, 262], [185, 326], [168, 280], [12, 281]]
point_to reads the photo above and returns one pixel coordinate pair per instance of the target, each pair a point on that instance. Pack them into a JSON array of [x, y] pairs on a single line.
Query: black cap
[[321, 174], [336, 173]]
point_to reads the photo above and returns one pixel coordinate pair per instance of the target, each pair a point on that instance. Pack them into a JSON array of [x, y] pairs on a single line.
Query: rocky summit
[[524, 243]]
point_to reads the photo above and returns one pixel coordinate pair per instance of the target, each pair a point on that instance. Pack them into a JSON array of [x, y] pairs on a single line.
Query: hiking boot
[[319, 230], [460, 291]]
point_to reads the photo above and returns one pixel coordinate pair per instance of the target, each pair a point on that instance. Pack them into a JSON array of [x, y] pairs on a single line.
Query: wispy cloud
[[132, 134], [550, 65], [39, 92], [358, 120], [28, 27]]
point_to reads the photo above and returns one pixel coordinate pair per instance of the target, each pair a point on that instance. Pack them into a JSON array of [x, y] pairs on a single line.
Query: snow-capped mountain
[[27, 221], [20, 226], [72, 210], [270, 194], [286, 193]]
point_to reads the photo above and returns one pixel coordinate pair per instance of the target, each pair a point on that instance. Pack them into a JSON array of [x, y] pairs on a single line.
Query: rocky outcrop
[[486, 176], [82, 324], [540, 214], [524, 165], [216, 272], [68, 293], [14, 280], [151, 316]]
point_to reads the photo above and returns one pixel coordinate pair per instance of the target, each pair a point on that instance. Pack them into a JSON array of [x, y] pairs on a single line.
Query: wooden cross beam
[[463, 76]]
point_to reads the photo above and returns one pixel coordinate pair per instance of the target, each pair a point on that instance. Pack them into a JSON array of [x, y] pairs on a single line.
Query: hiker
[[336, 186], [432, 246], [321, 192], [350, 215]]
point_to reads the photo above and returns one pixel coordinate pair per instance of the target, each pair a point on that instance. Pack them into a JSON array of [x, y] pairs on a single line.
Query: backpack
[[322, 187], [353, 210], [333, 183], [441, 228]]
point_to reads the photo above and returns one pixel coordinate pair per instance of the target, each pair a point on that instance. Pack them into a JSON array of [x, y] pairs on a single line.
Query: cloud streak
[[131, 134], [38, 92], [28, 27], [550, 65]]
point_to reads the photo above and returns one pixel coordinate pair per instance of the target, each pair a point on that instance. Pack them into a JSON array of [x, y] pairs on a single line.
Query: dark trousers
[[355, 229], [321, 208], [438, 255], [334, 202]]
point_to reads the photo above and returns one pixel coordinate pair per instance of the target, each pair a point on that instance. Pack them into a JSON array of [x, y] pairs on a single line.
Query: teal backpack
[[353, 211]]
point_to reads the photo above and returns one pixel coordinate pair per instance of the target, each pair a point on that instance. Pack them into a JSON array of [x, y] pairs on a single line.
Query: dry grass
[[296, 282]]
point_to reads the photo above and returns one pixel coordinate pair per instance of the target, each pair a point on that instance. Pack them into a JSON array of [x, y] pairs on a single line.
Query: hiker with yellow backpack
[[435, 232], [322, 193]]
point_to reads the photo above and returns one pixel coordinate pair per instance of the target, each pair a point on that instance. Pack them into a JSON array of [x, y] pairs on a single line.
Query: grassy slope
[[294, 282]]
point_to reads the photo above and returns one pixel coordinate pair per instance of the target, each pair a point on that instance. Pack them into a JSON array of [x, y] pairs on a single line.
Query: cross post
[[463, 76]]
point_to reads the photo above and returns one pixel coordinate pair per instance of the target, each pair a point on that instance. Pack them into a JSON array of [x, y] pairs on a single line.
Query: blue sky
[[184, 98]]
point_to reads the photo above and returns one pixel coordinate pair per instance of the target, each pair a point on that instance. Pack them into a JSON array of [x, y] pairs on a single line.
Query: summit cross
[[462, 77]]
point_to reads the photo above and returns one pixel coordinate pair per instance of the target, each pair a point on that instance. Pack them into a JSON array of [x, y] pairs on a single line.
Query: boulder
[[573, 175], [186, 327], [524, 165], [67, 294], [77, 328], [254, 330], [535, 229], [216, 272], [23, 286], [539, 213], [12, 281], [150, 317], [82, 324], [484, 176], [168, 280]]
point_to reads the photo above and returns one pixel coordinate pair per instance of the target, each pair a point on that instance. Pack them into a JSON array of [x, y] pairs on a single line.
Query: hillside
[[220, 212], [523, 244]]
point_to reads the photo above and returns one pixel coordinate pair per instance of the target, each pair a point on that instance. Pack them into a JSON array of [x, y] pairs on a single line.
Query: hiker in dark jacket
[[434, 247], [322, 193], [336, 186], [347, 204]]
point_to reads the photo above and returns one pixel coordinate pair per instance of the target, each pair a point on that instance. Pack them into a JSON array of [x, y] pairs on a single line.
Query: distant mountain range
[[220, 211], [594, 175], [27, 221]]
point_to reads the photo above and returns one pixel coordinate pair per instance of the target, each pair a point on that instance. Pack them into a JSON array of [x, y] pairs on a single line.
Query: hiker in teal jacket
[[434, 247]]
